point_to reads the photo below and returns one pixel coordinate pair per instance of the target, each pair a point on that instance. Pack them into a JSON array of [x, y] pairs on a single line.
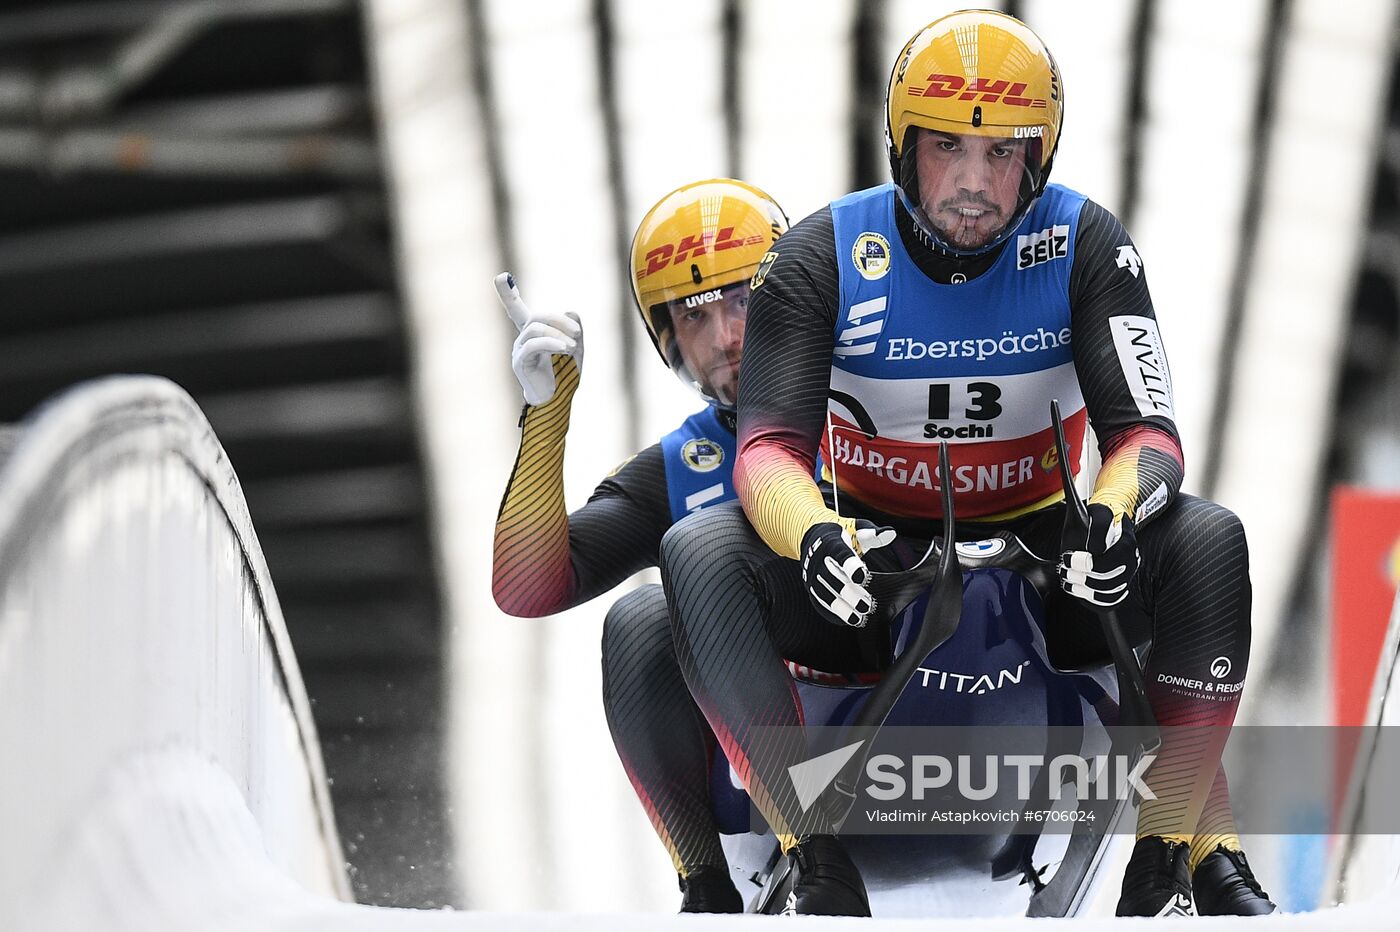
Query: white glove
[[542, 336]]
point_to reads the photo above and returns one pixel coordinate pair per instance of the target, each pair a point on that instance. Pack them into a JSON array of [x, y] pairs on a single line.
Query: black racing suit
[[738, 602]]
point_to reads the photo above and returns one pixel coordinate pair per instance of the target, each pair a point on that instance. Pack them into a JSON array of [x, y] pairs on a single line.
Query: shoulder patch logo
[[1128, 258], [1032, 249], [702, 455], [871, 255], [761, 272]]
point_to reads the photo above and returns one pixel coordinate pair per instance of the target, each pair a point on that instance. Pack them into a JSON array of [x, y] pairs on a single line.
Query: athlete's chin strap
[[939, 264]]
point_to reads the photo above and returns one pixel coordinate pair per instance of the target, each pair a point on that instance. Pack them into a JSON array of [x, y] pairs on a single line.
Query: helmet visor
[[968, 189], [702, 336]]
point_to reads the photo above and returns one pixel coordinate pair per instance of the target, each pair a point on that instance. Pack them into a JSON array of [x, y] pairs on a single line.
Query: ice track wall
[[160, 771], [160, 768], [1367, 865]]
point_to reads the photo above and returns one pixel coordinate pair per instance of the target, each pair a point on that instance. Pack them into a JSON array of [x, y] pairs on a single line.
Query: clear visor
[[702, 336], [969, 192]]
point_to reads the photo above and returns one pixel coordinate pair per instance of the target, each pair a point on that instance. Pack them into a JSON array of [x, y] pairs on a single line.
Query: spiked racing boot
[[708, 889], [1225, 886], [827, 882], [1157, 881]]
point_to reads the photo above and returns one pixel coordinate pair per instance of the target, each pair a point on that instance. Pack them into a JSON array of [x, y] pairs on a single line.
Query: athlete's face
[[710, 337], [968, 185]]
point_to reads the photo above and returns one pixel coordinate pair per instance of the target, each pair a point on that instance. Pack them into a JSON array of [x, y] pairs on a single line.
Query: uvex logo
[[707, 297], [676, 253], [984, 90]]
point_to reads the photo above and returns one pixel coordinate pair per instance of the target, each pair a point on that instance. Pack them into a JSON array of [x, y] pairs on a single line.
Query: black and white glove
[[542, 336], [834, 573], [1098, 569]]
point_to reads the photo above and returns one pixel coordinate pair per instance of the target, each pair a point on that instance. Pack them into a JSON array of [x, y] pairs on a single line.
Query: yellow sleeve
[[781, 499], [532, 573]]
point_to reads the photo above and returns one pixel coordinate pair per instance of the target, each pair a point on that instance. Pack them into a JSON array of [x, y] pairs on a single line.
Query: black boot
[[1158, 880], [708, 889], [1225, 886], [827, 883]]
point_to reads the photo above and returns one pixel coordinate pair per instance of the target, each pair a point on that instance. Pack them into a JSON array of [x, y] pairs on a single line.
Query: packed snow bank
[[154, 725]]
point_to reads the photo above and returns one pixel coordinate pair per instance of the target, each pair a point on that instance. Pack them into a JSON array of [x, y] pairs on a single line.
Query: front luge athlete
[[952, 305]]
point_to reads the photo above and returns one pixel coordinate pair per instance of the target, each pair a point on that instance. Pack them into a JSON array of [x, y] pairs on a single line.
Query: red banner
[[1365, 569]]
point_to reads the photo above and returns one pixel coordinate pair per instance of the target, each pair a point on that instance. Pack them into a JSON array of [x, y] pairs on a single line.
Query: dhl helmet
[[692, 258], [975, 105]]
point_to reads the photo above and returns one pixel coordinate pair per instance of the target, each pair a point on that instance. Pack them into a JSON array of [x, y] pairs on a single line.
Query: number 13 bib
[[974, 364]]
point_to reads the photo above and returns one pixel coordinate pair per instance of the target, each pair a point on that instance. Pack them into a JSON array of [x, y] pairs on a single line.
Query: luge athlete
[[952, 305], [693, 256]]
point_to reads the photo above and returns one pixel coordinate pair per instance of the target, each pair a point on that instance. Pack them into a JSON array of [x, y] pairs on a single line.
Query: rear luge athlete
[[693, 256], [952, 304]]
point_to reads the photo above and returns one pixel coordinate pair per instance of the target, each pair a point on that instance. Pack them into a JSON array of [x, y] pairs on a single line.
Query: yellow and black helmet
[[699, 246], [974, 73]]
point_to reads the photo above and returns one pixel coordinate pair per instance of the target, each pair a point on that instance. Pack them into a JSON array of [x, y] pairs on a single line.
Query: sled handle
[[1134, 709], [894, 591], [940, 621]]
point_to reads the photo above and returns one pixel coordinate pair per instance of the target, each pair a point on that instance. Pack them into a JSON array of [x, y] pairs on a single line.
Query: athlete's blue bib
[[699, 458], [916, 362]]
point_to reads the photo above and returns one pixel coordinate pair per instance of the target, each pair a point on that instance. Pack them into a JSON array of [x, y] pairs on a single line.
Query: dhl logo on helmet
[[985, 90], [676, 253]]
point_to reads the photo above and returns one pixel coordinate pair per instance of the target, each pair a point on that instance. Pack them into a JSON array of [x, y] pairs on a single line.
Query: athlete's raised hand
[[542, 337], [1099, 567], [834, 573]]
